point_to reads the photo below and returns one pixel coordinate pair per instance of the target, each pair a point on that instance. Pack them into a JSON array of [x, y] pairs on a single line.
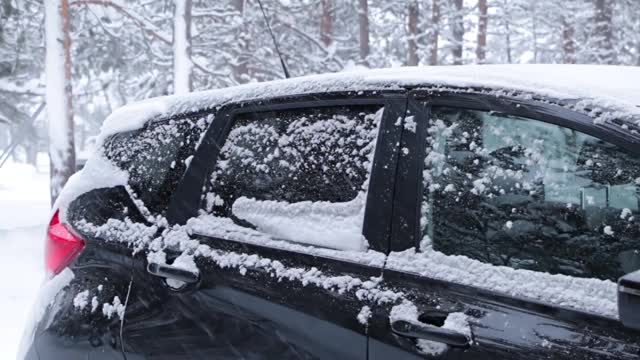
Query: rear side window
[[156, 157], [297, 175], [527, 194]]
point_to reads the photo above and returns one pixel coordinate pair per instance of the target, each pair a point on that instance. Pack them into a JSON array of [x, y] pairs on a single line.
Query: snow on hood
[[611, 87]]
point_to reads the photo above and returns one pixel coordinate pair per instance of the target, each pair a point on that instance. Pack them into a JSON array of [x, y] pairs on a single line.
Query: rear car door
[[279, 231], [525, 217], [104, 214]]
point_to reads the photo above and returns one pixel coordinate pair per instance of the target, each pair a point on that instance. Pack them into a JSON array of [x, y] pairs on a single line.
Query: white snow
[[81, 300], [613, 89], [625, 212], [24, 213], [607, 230], [364, 315], [321, 223], [115, 307], [178, 238], [364, 289], [410, 124], [584, 294], [98, 172], [186, 262], [131, 117], [455, 321], [94, 303], [225, 229]]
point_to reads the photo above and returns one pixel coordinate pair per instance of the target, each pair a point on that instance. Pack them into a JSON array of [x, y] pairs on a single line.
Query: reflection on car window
[[527, 194], [297, 175]]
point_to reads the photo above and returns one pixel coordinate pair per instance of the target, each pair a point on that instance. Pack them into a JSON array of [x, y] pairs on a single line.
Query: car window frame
[[421, 101], [408, 237], [185, 201]]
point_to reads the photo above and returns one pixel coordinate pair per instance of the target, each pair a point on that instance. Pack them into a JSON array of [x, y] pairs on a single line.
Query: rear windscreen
[[156, 156]]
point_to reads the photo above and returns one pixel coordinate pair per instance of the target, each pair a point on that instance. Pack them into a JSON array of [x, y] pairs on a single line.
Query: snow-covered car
[[470, 212]]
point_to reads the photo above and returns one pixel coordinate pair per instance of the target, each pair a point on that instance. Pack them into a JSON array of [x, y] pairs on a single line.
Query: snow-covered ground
[[24, 212]]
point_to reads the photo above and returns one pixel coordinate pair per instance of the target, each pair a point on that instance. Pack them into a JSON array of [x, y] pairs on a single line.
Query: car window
[[297, 175], [527, 194], [156, 156]]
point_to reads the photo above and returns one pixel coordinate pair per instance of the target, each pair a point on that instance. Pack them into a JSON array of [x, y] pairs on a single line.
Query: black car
[[481, 212]]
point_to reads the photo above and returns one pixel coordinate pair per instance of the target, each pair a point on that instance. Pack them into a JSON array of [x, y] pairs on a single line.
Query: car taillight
[[62, 246]]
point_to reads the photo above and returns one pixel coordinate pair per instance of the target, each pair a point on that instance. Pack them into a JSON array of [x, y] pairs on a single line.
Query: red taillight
[[62, 246]]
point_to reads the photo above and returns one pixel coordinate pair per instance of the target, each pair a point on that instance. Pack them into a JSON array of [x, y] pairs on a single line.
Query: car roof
[[598, 89]]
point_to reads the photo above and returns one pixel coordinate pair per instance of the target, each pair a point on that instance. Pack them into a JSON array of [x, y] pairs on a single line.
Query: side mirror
[[629, 300]]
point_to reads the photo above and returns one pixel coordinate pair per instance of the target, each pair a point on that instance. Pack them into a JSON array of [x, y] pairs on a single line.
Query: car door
[[280, 231], [524, 219]]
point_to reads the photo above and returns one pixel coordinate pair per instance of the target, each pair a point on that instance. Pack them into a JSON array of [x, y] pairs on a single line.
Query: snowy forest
[[66, 64]]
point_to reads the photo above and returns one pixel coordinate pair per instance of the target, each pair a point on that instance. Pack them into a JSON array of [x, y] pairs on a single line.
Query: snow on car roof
[[614, 88]]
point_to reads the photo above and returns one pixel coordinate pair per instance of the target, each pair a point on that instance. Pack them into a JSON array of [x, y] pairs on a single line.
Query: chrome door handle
[[171, 272], [430, 332]]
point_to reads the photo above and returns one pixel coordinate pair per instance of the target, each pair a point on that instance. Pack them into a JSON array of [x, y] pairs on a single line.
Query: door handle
[[171, 272], [430, 332]]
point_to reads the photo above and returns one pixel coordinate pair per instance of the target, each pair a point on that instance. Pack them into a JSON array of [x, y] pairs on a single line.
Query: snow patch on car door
[[320, 223], [456, 321], [586, 294]]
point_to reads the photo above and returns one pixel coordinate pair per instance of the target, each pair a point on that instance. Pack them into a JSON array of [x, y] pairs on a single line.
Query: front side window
[[526, 194], [297, 175]]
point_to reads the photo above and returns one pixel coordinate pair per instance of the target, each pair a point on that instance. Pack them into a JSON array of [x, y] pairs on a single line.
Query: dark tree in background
[[457, 30], [568, 40], [326, 23], [604, 32], [412, 29], [482, 30], [363, 27], [434, 32]]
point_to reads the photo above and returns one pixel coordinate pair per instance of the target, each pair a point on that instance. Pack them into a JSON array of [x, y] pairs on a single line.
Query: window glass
[[156, 156], [298, 175], [527, 194]]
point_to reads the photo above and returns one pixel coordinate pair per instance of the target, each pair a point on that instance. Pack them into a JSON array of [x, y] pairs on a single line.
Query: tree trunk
[[434, 33], [5, 12], [31, 152], [568, 42], [507, 29], [412, 41], [182, 66], [604, 31], [482, 31], [326, 23], [534, 31], [241, 65], [458, 32], [58, 95], [363, 22]]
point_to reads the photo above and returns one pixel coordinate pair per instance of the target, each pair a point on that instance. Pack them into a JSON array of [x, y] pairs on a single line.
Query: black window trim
[[185, 201]]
